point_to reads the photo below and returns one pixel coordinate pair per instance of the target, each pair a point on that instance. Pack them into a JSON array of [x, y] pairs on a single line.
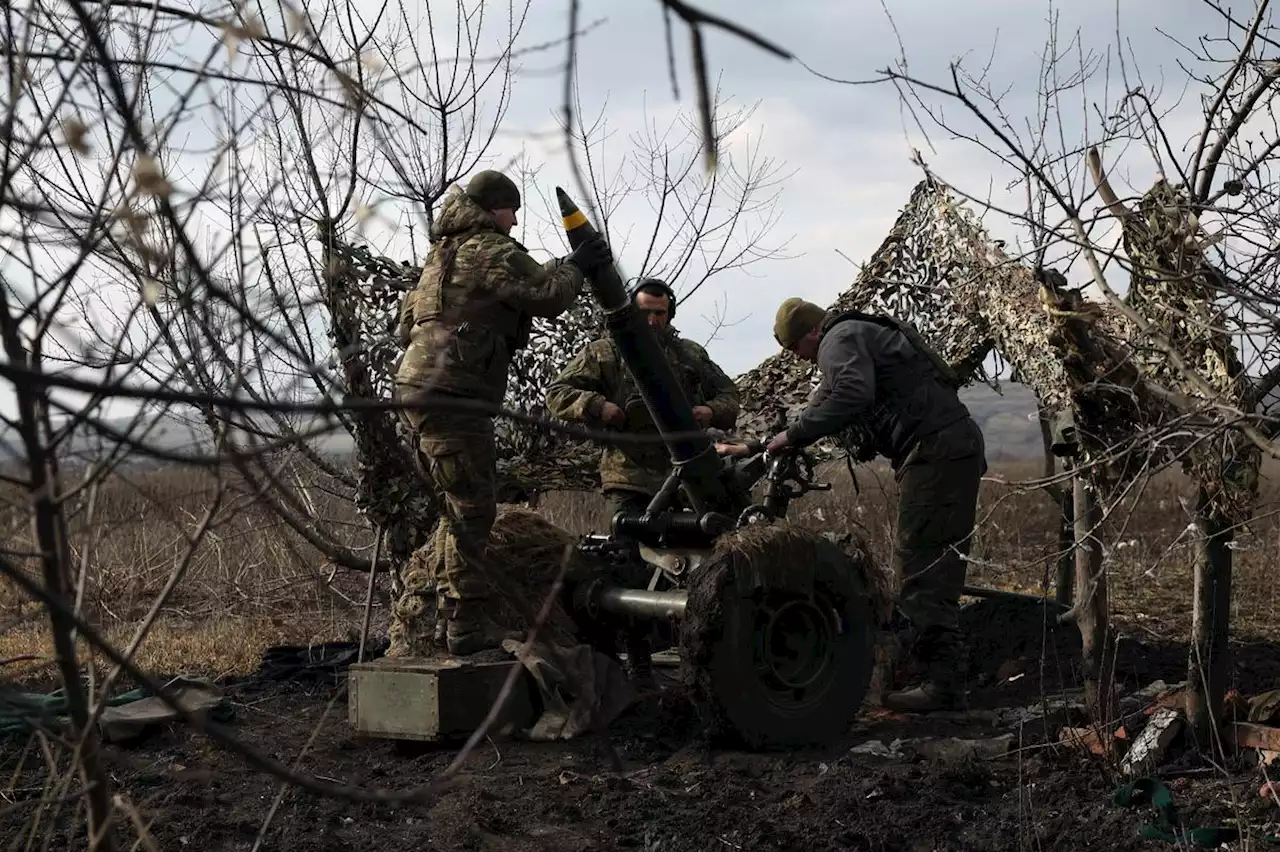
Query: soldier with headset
[[595, 388]]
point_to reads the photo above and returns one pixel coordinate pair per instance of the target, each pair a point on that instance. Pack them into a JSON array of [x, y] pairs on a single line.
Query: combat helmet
[[493, 190]]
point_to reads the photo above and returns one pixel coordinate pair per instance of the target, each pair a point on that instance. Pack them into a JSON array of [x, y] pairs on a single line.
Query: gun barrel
[[689, 445], [640, 603]]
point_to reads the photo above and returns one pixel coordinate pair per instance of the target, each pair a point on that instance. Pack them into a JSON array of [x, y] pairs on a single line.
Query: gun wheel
[[779, 635]]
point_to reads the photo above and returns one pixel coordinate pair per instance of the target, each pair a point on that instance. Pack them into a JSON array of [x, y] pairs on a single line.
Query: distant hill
[[1008, 421]]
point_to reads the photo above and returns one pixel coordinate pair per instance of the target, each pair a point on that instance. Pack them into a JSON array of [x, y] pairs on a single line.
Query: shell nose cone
[[566, 204]]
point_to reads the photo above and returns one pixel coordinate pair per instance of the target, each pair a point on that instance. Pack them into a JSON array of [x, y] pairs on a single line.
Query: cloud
[[847, 148]]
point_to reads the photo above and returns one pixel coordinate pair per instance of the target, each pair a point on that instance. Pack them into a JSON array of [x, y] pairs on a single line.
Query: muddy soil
[[653, 784]]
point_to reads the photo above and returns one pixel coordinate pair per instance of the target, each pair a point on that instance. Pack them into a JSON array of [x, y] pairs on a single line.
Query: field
[[652, 783]]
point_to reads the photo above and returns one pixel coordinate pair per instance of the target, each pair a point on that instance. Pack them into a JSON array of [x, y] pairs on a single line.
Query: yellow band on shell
[[576, 219]]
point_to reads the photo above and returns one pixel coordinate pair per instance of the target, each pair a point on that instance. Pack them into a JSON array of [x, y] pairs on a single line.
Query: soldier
[[472, 309], [884, 390], [595, 387]]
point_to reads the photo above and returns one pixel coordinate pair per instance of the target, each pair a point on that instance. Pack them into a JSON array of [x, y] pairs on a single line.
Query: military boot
[[471, 630], [942, 653]]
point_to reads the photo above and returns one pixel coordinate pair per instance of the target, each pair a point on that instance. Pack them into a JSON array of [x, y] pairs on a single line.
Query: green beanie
[[494, 191], [794, 320]]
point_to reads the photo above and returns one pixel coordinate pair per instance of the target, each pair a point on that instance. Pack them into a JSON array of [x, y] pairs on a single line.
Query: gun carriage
[[774, 620]]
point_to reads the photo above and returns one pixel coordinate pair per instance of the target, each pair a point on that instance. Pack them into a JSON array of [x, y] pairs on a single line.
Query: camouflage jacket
[[597, 375], [474, 306]]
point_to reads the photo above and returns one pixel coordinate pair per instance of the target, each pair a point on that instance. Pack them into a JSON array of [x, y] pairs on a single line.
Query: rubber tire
[[718, 644]]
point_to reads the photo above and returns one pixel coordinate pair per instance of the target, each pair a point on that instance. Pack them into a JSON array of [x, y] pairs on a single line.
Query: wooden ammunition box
[[429, 699]]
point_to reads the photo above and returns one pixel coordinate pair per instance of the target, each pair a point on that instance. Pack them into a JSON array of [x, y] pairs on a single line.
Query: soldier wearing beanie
[[885, 391], [472, 310]]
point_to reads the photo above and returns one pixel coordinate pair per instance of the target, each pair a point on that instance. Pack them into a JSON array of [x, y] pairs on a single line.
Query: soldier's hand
[[780, 442], [702, 414], [613, 414], [733, 450], [591, 255]]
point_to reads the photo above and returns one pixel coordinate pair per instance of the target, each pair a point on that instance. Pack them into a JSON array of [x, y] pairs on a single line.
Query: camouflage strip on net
[[938, 268]]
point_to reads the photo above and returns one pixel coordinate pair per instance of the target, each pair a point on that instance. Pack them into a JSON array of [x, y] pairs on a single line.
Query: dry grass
[[253, 583], [213, 647], [250, 583]]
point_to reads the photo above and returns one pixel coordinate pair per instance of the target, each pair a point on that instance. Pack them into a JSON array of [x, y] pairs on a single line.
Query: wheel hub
[[795, 649]]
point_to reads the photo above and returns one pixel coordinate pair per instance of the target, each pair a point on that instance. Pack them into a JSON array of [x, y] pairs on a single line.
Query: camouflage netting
[[362, 293], [1175, 289], [531, 551], [939, 269]]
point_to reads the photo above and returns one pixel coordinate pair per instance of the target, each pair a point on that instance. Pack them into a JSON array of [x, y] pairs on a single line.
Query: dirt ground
[[652, 783]]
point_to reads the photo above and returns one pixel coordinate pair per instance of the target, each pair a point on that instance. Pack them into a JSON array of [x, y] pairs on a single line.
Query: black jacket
[[876, 387]]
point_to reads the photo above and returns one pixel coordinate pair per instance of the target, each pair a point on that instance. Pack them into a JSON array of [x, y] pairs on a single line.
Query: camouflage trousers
[[459, 455], [937, 507], [623, 500]]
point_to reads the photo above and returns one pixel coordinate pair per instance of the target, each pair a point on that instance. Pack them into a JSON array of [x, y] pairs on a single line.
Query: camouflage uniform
[[472, 308], [883, 391], [632, 473]]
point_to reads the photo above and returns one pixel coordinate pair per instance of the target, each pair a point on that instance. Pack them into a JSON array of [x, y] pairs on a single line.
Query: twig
[[143, 829], [695, 19], [497, 760], [368, 598]]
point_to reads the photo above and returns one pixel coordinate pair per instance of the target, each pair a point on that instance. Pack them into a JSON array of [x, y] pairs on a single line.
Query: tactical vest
[[468, 321], [441, 299], [905, 408]]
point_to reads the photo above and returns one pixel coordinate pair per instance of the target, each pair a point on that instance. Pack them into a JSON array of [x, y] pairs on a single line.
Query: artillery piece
[[774, 621], [697, 574]]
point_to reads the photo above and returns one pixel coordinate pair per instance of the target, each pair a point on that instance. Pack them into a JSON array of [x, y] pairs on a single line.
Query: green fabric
[[1167, 826], [24, 712], [795, 318]]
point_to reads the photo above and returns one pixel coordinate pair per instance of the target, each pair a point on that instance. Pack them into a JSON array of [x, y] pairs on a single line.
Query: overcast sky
[[848, 147]]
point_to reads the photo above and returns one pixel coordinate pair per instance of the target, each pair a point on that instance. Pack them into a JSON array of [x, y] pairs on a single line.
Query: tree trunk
[[1092, 615], [1064, 587], [1209, 660], [1063, 583]]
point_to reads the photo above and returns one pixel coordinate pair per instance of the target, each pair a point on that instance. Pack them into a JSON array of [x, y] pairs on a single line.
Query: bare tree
[[165, 173], [1201, 308]]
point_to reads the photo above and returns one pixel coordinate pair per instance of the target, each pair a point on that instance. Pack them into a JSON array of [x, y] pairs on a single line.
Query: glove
[[591, 255]]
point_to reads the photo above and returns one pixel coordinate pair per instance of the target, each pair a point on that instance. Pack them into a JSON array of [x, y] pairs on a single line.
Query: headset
[[651, 283]]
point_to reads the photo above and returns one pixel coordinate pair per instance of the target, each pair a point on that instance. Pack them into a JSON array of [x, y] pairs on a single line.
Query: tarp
[[125, 717], [582, 690]]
